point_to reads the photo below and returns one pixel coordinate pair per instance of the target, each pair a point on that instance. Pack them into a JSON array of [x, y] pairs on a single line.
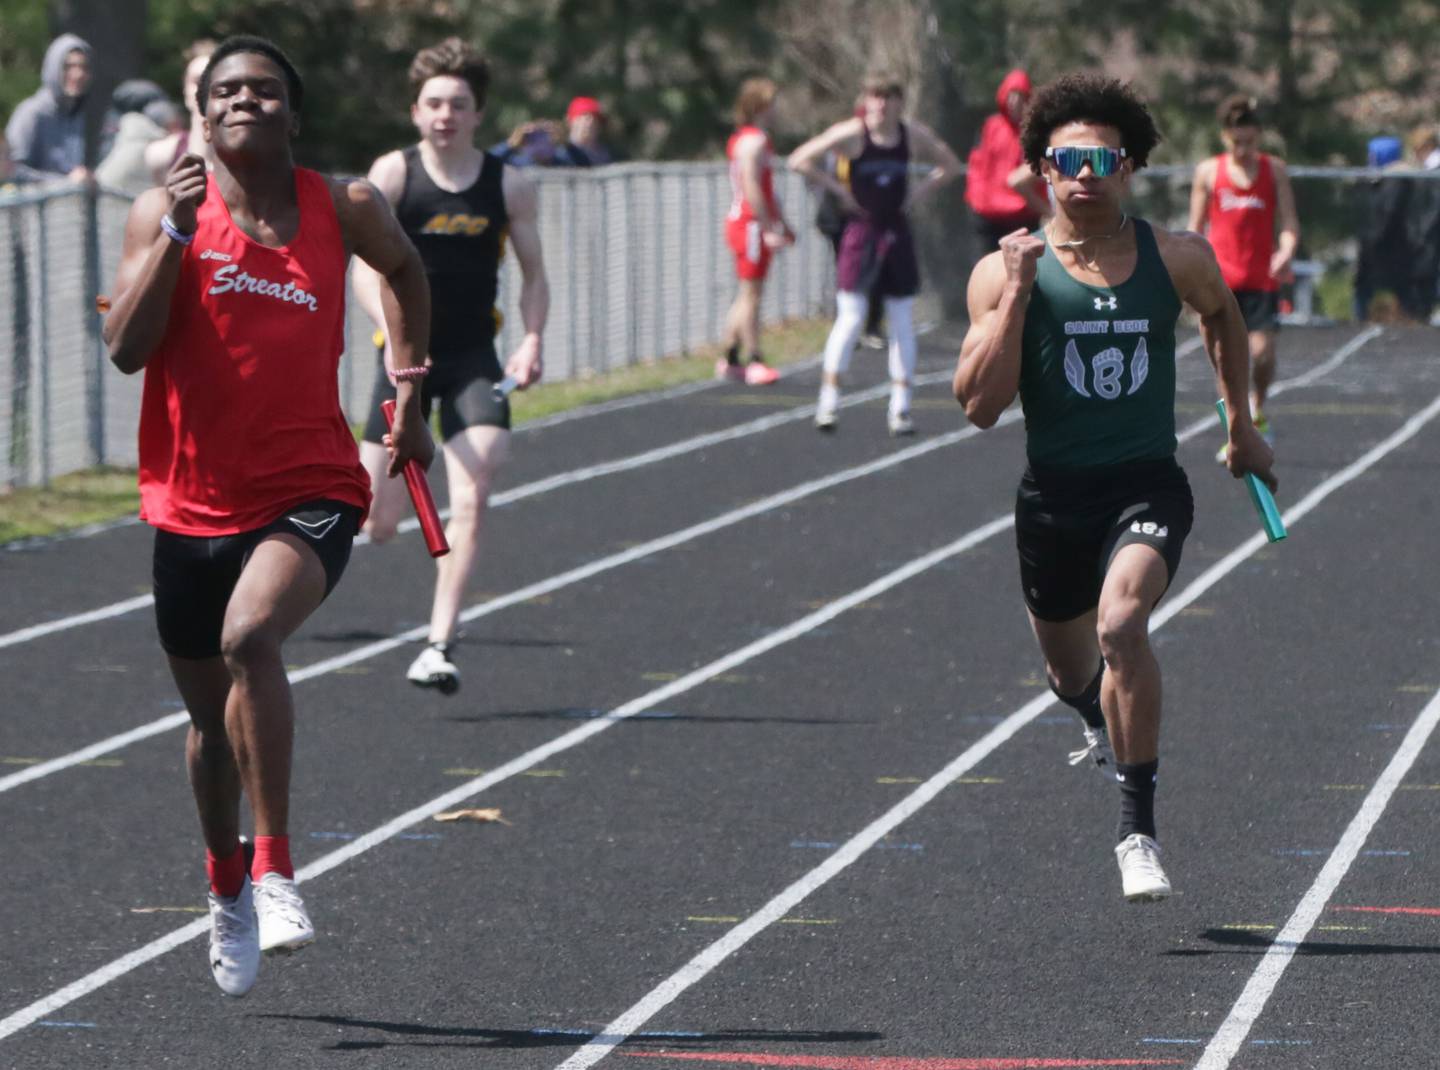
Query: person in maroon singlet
[[877, 252], [231, 295], [1236, 200]]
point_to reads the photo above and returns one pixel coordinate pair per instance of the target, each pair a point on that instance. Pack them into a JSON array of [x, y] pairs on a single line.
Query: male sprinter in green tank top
[[1079, 320]]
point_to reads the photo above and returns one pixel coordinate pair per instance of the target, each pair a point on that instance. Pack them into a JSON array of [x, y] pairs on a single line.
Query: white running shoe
[[433, 668], [283, 923], [900, 424], [825, 419], [234, 941], [1097, 750], [1141, 877]]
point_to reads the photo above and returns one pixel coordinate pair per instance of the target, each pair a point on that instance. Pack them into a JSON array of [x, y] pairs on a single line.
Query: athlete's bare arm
[[1197, 279], [387, 174], [1288, 218], [150, 265], [846, 138], [373, 234], [522, 205], [926, 147], [987, 375], [1200, 194]]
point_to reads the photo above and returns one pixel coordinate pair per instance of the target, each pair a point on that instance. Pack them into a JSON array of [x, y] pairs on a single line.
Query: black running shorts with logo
[[1261, 309], [195, 575], [1069, 523], [464, 389]]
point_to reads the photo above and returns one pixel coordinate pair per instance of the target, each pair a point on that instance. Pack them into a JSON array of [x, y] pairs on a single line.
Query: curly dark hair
[[294, 85], [1088, 98]]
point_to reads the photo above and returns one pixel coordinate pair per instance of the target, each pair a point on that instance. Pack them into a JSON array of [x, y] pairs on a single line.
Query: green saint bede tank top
[[1097, 364]]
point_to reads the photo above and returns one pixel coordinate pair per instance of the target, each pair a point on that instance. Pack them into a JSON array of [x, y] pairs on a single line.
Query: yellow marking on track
[[93, 763], [980, 780], [21, 761], [1417, 689], [353, 670], [1033, 680], [660, 677], [760, 399], [464, 772], [1343, 928], [1420, 787], [716, 919], [732, 678], [167, 910], [898, 780], [1344, 787], [809, 921], [1198, 611], [540, 600], [103, 668], [1250, 928], [544, 773]]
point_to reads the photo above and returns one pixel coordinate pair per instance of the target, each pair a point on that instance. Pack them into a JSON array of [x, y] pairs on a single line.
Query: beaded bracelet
[[417, 372], [173, 232]]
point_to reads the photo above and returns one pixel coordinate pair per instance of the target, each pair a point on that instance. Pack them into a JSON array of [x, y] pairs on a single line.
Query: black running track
[[717, 874]]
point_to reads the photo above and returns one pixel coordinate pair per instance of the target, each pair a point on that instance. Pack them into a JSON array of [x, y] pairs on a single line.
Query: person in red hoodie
[[1001, 190]]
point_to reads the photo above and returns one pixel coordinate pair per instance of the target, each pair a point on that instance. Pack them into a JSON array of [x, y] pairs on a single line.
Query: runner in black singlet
[[462, 208]]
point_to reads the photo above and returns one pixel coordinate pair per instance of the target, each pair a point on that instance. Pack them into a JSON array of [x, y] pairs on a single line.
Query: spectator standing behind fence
[[531, 144], [161, 155], [1380, 257], [1424, 219], [585, 122], [140, 114], [47, 130], [1001, 190]]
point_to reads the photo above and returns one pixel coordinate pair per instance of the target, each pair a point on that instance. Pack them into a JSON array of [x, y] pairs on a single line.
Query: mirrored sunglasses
[[1069, 160]]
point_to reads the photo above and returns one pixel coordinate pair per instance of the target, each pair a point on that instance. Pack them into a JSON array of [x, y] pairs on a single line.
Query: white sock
[[899, 398], [829, 397]]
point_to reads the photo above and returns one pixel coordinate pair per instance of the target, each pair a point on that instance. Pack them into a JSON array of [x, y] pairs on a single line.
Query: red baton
[[420, 496]]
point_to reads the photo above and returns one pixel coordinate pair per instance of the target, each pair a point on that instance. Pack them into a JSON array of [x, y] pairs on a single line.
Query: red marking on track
[[881, 1062], [1429, 912]]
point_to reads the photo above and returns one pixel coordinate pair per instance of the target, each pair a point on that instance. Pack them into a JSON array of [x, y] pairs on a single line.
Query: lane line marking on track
[[165, 724], [529, 760], [524, 594], [788, 900], [697, 968], [516, 494]]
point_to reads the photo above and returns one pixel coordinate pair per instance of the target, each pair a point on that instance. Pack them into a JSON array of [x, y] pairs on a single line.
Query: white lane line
[[516, 494], [91, 982], [1232, 1032], [524, 594], [618, 1031]]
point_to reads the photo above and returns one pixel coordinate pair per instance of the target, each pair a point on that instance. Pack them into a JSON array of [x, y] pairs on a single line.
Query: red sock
[[227, 875], [272, 855]]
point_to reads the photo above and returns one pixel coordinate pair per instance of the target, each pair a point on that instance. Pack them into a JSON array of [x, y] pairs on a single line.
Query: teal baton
[[1260, 495]]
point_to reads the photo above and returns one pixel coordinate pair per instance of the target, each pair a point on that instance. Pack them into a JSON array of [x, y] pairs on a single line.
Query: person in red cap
[[586, 120], [1001, 190]]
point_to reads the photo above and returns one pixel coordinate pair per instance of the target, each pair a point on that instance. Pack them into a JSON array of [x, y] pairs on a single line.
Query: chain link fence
[[635, 257], [638, 270]]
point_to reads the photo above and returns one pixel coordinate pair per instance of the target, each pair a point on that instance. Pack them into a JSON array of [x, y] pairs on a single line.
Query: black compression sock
[[1137, 798], [1087, 703], [732, 355]]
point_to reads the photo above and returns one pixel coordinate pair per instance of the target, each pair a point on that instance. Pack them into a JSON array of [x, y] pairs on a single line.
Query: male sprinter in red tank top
[[754, 229], [1236, 199], [231, 296]]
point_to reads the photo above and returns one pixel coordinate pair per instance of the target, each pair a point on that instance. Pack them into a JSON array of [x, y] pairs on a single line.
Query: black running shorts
[[464, 389], [1069, 523], [1261, 309], [196, 575]]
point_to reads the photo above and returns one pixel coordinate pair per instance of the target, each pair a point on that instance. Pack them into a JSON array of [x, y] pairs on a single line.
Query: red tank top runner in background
[[1241, 226], [241, 413], [740, 208]]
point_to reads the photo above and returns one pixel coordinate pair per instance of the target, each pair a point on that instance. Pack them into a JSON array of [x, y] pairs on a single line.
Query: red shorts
[[747, 242]]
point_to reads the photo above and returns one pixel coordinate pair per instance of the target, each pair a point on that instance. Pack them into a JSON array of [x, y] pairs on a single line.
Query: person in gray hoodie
[[46, 132]]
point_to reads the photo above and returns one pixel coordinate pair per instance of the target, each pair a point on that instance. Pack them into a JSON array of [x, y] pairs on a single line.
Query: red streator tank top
[[1241, 226], [241, 415], [740, 208]]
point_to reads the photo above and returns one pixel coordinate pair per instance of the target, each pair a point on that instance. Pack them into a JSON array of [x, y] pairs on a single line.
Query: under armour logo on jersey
[[1103, 303], [318, 529]]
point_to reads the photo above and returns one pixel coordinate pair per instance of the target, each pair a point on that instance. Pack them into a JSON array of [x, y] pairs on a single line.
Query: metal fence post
[[40, 352], [95, 367]]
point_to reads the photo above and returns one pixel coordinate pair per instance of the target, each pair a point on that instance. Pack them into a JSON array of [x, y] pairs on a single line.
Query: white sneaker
[[1141, 877], [900, 424], [234, 941], [1097, 750], [283, 923], [825, 419], [433, 668]]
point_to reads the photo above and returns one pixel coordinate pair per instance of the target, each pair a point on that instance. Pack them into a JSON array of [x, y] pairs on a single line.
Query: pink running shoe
[[725, 370], [758, 374]]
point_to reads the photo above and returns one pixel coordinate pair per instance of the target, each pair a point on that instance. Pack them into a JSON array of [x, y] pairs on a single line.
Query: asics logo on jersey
[[211, 254], [316, 530], [226, 280], [1111, 303], [459, 223]]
